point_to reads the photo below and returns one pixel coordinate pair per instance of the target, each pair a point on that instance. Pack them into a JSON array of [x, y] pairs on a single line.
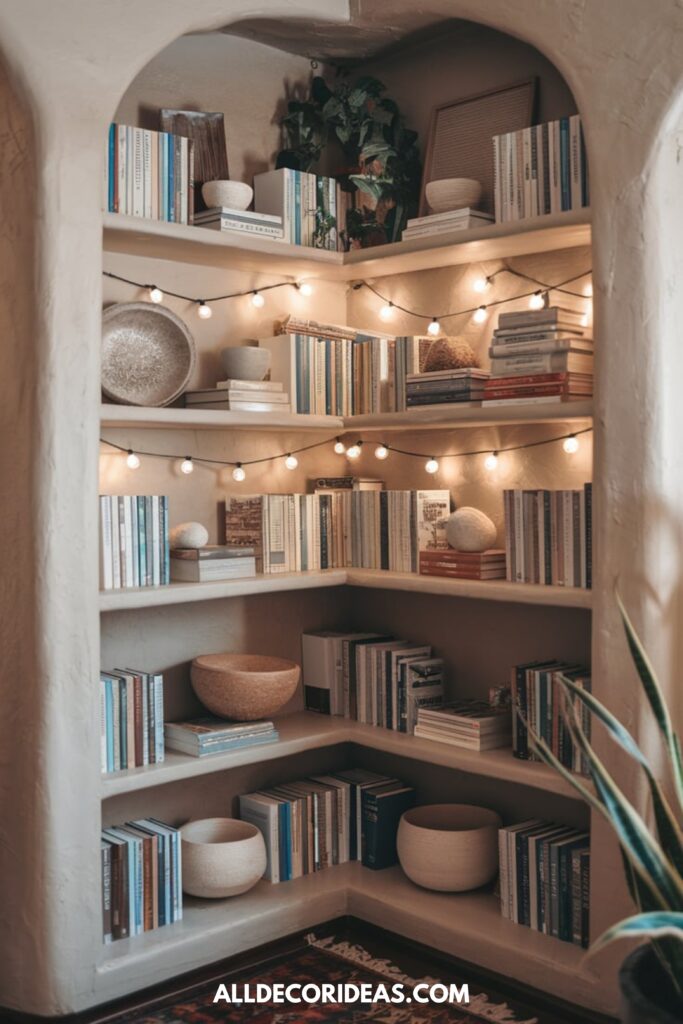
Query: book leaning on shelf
[[537, 700], [149, 174], [131, 719], [134, 548]]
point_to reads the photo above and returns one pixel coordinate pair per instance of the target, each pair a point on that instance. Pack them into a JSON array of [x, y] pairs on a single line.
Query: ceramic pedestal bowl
[[244, 687], [230, 195], [449, 847], [245, 362], [452, 194], [221, 857]]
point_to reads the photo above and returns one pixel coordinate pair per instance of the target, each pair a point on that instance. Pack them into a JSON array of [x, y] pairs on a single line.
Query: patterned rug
[[324, 961]]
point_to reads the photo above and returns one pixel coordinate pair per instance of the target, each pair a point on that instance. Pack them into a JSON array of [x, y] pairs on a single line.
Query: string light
[[481, 315], [354, 451], [204, 312], [156, 294], [537, 301], [339, 447], [291, 461], [132, 461], [187, 465], [491, 461], [432, 466], [481, 284], [238, 473], [386, 311], [305, 288], [588, 290], [434, 327], [381, 451], [584, 320], [257, 300], [571, 444]]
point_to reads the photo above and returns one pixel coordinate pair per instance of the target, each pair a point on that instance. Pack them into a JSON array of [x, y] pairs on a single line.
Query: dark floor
[[413, 959]]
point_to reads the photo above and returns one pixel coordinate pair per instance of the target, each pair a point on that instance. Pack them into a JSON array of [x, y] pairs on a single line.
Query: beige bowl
[[244, 686], [452, 194], [221, 857], [449, 847], [230, 195]]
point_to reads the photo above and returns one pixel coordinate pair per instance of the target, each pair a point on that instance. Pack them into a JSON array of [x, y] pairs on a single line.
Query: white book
[[263, 811], [274, 195], [156, 543], [103, 726], [147, 173], [253, 230], [138, 174], [248, 216], [450, 216], [283, 364], [575, 161], [128, 531], [188, 571], [106, 555], [434, 230]]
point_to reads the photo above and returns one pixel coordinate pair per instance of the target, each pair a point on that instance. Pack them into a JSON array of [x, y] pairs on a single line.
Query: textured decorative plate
[[148, 354]]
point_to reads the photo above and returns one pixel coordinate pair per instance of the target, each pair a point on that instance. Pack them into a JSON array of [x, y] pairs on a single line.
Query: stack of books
[[141, 878], [540, 356], [341, 529], [201, 737], [539, 170], [241, 396], [327, 820], [332, 484], [131, 719], [548, 536], [440, 387], [545, 878], [213, 562], [149, 174], [370, 678], [245, 222], [305, 203], [134, 548], [464, 565], [537, 702], [440, 223], [471, 724]]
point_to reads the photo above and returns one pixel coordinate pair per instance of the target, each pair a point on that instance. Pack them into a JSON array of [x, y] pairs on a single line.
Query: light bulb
[[584, 320], [386, 311], [156, 294], [305, 288], [480, 284], [238, 473], [339, 447], [588, 290], [434, 327], [354, 451], [187, 465], [258, 300], [491, 461], [204, 311], [432, 466], [291, 462], [133, 462], [571, 444], [480, 315], [536, 301], [381, 451]]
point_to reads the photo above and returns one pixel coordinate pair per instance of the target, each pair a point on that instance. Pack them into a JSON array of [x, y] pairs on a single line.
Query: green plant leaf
[[654, 925]]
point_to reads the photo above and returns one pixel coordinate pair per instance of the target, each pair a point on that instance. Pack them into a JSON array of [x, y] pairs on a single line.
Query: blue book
[[109, 703], [123, 722], [111, 152], [163, 540], [170, 182], [297, 207], [142, 541]]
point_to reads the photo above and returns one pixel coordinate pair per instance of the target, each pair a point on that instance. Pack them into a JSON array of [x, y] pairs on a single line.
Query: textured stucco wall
[[70, 66]]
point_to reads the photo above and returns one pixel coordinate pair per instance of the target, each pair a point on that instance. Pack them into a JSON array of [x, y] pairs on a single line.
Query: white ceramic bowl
[[221, 857], [449, 847], [452, 194], [232, 195], [245, 362]]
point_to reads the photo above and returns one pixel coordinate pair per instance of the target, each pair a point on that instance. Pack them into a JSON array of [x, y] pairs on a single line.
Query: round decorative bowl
[[221, 857], [245, 362], [449, 847], [244, 687], [148, 354], [231, 195], [452, 194]]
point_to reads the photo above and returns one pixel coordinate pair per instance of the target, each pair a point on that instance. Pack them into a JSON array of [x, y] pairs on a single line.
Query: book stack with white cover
[[213, 562], [246, 222], [242, 396], [441, 223]]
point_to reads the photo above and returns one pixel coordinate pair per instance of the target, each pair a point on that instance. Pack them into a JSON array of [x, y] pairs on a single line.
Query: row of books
[[141, 878], [246, 222], [213, 562], [548, 536], [200, 737], [537, 702], [328, 819], [131, 719], [149, 174], [345, 528], [305, 203], [464, 565], [241, 396], [545, 878], [134, 549], [539, 170], [370, 678], [540, 356], [439, 223], [469, 724], [439, 387]]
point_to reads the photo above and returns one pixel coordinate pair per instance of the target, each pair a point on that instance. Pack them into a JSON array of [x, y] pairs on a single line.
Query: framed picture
[[460, 133]]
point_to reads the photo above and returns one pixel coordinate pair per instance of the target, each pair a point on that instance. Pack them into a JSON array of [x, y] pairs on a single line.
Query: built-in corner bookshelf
[[470, 925]]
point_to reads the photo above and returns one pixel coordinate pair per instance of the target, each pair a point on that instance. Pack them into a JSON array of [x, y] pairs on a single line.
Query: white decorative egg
[[468, 529], [189, 535]]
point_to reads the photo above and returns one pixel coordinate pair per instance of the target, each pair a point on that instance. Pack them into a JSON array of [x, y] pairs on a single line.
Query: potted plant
[[651, 977]]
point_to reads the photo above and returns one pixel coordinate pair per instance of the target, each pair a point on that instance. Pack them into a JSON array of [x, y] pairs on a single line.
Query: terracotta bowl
[[244, 687], [221, 857], [449, 847], [452, 194]]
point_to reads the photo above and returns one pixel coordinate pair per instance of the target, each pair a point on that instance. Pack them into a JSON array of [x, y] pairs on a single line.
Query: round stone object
[[189, 535], [469, 529]]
